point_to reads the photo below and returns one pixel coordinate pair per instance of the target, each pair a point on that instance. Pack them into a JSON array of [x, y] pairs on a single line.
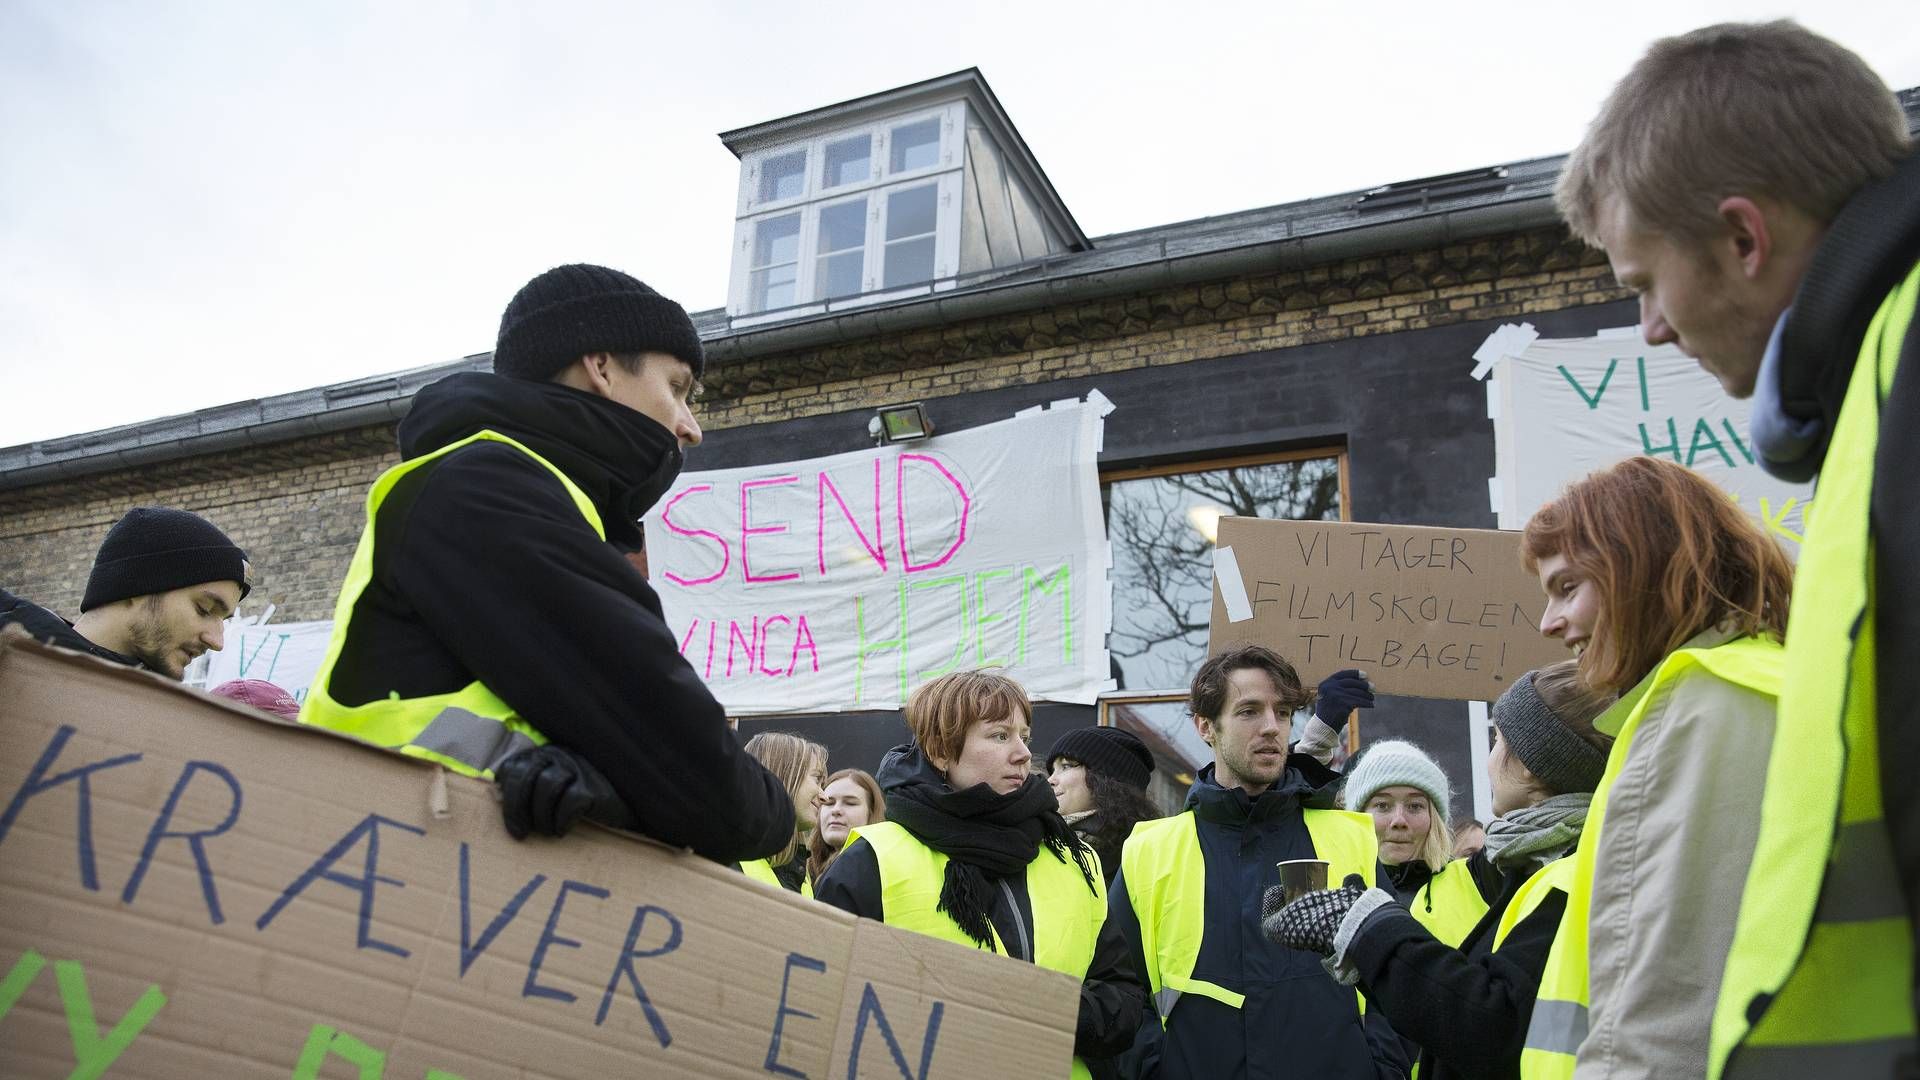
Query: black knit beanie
[[1109, 751], [571, 311], [155, 549]]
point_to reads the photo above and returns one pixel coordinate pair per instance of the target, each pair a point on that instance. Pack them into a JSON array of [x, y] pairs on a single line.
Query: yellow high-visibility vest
[[1820, 977], [1166, 876], [469, 730], [1067, 914], [1449, 905], [762, 870], [1559, 1023]]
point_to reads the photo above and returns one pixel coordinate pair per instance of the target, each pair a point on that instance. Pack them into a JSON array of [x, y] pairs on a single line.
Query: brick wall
[[296, 507]]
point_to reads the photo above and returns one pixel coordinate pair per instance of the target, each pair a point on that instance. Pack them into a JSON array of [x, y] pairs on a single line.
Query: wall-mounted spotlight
[[900, 423]]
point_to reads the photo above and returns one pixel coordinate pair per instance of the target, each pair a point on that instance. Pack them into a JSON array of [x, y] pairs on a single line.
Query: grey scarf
[[1533, 836]]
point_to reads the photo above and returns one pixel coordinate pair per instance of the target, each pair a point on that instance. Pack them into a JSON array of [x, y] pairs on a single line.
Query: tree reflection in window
[[1162, 529]]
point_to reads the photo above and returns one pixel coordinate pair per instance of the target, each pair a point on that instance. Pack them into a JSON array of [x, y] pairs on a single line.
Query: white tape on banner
[[1226, 572], [1493, 494], [1493, 399]]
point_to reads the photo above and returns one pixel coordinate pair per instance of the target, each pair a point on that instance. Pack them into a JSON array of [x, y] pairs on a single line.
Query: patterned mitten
[[1310, 922]]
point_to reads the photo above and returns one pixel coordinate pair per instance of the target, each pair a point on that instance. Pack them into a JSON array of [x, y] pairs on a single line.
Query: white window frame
[[953, 117], [815, 195], [869, 226], [946, 248], [800, 254]]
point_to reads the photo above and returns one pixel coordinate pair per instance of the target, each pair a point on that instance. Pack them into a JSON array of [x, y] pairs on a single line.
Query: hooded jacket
[[1296, 1023], [485, 570], [50, 629], [1113, 998]]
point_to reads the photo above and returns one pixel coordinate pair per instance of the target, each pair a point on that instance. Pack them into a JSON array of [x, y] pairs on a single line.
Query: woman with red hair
[[1677, 601]]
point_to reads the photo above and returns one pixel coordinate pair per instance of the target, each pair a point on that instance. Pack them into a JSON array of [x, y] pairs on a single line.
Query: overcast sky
[[207, 202]]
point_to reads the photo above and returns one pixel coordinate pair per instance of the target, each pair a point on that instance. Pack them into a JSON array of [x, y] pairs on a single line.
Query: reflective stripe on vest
[[1449, 905], [470, 730], [1559, 1023], [1067, 915], [1823, 954], [1166, 874]]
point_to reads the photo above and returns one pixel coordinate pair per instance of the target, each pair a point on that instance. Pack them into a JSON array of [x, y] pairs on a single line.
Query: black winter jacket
[[1296, 1023], [50, 629], [1113, 999], [484, 569], [1466, 1008], [1407, 882]]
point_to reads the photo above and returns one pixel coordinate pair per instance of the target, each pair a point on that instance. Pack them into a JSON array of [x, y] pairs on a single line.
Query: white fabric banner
[[1562, 408], [843, 582], [285, 654]]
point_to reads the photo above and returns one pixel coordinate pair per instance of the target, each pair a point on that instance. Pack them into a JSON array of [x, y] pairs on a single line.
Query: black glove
[[549, 788], [1340, 693], [1310, 922]]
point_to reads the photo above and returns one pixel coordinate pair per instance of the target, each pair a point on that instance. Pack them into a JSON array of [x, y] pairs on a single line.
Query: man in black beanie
[[491, 620], [162, 584]]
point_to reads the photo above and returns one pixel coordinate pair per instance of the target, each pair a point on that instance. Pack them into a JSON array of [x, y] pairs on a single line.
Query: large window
[[1162, 524], [857, 211]]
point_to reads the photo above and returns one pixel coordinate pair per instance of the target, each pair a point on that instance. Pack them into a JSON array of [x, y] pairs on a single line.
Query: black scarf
[[984, 835]]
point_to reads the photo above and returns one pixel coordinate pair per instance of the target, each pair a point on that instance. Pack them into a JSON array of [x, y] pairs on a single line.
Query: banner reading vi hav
[[843, 582]]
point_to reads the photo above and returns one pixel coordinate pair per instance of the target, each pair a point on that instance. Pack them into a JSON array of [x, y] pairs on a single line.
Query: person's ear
[[597, 368], [1749, 237], [1204, 725]]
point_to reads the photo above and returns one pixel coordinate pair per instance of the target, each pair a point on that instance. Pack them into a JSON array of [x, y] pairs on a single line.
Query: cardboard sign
[[192, 890], [1441, 613], [1562, 408], [843, 582]]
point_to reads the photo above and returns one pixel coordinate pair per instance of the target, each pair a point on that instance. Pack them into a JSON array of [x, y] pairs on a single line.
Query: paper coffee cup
[[1298, 877]]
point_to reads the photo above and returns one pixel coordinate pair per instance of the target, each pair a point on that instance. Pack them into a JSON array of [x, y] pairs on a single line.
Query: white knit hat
[[1396, 763]]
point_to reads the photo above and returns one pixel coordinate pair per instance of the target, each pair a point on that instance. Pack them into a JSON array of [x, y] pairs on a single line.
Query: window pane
[[1162, 530], [777, 240], [843, 226], [909, 262], [911, 212], [783, 177], [774, 287], [916, 146], [839, 275], [846, 161]]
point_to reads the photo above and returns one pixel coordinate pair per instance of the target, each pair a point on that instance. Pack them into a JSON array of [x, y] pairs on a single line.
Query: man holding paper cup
[[1187, 898]]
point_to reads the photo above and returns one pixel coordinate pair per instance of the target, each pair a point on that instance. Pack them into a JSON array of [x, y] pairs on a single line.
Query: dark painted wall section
[[1420, 450]]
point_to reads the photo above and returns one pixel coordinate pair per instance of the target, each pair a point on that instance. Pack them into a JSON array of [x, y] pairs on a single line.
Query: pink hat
[[262, 695]]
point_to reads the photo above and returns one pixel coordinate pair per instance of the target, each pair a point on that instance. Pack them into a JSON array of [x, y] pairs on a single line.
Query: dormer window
[[869, 201]]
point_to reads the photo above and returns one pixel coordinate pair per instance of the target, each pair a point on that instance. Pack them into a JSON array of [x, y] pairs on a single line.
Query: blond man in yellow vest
[[1232, 1004], [974, 851], [1757, 186], [491, 621]]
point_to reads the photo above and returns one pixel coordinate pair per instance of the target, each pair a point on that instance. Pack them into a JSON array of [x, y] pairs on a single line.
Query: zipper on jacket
[[1013, 907]]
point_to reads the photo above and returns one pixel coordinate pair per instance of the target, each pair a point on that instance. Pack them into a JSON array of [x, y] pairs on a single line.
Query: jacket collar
[[1611, 721], [1870, 246], [1293, 792], [623, 460]]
